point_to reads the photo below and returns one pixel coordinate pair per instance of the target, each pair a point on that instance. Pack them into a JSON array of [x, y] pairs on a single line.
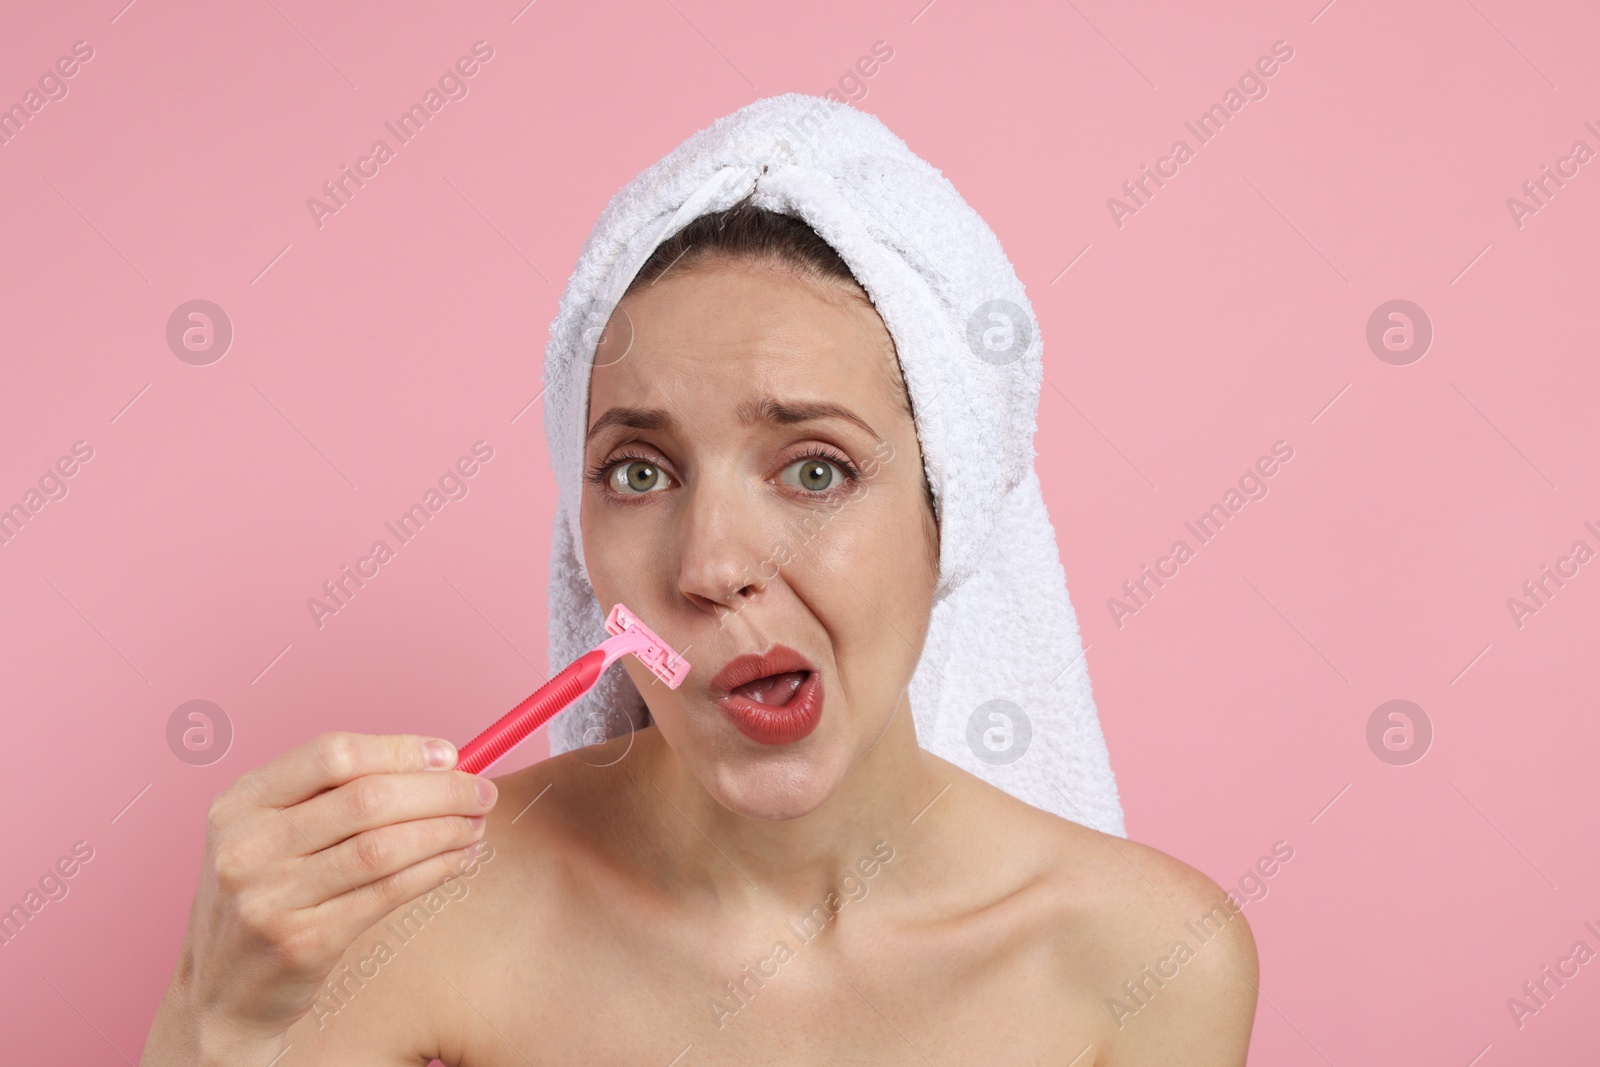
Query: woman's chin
[[774, 787], [757, 780]]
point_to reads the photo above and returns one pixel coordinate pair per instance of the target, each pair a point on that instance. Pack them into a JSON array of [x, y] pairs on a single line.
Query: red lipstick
[[774, 698]]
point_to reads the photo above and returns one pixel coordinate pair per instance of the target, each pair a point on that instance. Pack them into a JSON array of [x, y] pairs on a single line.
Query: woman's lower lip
[[771, 725]]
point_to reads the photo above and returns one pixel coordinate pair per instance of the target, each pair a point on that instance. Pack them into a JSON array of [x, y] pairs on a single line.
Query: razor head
[[655, 653]]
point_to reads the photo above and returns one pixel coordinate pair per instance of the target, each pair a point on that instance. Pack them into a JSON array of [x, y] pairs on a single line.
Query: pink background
[[1228, 313]]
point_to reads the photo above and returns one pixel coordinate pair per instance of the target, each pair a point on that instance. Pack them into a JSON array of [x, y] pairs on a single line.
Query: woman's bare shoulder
[[544, 823], [1177, 968], [1175, 959], [1163, 950], [561, 800]]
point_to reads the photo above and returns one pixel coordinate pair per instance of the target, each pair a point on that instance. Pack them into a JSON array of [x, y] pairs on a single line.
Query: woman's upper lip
[[779, 659]]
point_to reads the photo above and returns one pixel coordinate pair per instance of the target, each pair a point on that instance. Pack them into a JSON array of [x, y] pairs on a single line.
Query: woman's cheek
[[610, 559], [902, 573], [863, 557]]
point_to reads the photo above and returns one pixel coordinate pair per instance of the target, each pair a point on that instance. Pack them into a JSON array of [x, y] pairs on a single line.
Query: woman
[[767, 867]]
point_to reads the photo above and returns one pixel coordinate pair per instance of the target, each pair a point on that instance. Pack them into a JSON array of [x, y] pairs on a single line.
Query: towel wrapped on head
[[1002, 688]]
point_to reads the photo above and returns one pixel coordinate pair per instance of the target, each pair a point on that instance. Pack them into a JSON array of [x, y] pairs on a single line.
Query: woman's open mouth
[[774, 698]]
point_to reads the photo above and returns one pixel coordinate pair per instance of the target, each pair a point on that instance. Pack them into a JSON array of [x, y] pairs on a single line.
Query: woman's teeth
[[775, 690]]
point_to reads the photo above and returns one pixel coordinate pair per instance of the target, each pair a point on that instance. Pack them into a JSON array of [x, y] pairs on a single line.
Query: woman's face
[[732, 514]]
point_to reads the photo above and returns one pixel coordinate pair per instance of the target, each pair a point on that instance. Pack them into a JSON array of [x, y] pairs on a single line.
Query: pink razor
[[630, 635]]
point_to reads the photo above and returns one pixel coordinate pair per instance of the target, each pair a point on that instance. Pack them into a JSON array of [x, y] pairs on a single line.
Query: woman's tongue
[[775, 689]]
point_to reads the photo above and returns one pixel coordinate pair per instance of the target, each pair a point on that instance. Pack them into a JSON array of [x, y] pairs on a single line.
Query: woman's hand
[[302, 856]]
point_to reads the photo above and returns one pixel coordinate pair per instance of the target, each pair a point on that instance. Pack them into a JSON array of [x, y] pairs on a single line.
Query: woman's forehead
[[726, 339], [734, 303]]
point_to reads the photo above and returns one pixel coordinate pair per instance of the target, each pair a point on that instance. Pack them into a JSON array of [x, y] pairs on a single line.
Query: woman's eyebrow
[[768, 409], [638, 418], [786, 413]]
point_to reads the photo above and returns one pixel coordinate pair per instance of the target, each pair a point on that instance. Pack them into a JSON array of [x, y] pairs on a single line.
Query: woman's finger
[[379, 853], [332, 759], [351, 913], [384, 799]]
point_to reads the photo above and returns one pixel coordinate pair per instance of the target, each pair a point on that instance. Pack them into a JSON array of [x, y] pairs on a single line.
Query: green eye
[[815, 474], [638, 477]]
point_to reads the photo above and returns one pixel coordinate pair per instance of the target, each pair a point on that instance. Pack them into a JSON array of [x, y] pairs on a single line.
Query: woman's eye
[[814, 474], [636, 477]]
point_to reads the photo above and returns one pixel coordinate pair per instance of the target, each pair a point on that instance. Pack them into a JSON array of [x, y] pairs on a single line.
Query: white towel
[[1002, 688]]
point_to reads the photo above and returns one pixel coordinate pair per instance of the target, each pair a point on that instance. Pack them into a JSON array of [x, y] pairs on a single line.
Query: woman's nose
[[724, 555]]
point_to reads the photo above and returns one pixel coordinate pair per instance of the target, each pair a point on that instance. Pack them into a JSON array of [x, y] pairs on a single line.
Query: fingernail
[[438, 754], [486, 791], [477, 849], [476, 822]]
